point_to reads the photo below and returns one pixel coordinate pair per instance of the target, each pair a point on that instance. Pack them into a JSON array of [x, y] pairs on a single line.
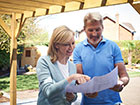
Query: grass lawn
[[28, 82], [24, 82], [133, 74]]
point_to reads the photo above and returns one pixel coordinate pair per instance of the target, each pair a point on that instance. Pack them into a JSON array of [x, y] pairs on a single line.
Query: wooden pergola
[[23, 9]]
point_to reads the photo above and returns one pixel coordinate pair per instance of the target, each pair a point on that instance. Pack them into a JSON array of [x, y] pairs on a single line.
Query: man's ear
[[102, 26]]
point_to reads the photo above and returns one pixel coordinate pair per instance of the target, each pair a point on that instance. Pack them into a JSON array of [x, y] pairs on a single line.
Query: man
[[96, 56]]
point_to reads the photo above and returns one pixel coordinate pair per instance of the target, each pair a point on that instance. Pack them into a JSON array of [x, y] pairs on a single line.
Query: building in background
[[31, 55]]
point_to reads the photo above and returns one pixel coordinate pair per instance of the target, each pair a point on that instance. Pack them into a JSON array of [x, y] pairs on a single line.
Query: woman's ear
[[56, 46]]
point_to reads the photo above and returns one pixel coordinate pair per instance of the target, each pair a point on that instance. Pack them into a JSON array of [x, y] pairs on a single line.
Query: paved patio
[[131, 93]]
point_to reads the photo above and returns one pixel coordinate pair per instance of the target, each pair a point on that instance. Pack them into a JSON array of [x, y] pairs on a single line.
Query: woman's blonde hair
[[61, 34]]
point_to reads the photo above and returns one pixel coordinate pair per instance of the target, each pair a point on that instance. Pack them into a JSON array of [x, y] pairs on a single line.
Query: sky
[[74, 20]]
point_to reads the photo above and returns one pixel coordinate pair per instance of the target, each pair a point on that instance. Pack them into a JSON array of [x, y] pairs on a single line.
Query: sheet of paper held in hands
[[96, 84]]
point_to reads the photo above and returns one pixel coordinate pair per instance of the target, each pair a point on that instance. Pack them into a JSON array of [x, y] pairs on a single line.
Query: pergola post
[[13, 61]]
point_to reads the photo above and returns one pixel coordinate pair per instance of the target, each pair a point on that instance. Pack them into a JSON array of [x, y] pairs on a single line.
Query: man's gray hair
[[93, 17]]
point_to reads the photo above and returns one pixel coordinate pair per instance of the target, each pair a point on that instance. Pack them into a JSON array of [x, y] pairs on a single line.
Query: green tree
[[130, 46], [136, 54], [4, 46], [4, 37], [33, 34]]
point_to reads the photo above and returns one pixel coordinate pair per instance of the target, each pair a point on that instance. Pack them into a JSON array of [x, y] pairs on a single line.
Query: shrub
[[125, 50], [4, 60]]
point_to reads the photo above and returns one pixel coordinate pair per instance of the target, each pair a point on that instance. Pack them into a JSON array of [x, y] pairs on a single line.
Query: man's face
[[94, 32]]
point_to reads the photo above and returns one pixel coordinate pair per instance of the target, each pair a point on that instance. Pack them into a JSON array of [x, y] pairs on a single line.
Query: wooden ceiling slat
[[11, 10], [15, 6], [136, 0], [55, 9], [5, 12], [28, 14], [113, 2], [51, 2], [92, 3], [71, 6], [40, 12], [99, 3], [26, 3], [75, 0]]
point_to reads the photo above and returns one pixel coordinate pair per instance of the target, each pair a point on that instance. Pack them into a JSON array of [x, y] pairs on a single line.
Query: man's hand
[[69, 96], [119, 87], [91, 95]]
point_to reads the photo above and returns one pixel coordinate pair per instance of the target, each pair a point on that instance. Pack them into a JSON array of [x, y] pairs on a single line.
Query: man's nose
[[94, 32]]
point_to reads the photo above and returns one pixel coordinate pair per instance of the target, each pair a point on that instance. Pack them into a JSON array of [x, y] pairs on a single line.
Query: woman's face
[[66, 49]]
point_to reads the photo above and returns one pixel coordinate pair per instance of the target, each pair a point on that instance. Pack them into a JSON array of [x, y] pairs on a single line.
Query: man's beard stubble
[[96, 39]]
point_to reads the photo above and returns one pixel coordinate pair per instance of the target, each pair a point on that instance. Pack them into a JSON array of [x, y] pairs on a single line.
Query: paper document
[[96, 84]]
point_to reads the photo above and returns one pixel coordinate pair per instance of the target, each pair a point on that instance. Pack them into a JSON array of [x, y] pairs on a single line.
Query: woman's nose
[[71, 46]]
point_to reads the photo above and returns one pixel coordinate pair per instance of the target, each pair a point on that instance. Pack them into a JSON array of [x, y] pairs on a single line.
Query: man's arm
[[123, 76], [79, 68]]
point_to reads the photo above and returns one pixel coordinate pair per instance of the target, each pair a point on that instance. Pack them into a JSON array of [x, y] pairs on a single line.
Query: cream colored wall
[[125, 34], [109, 31], [29, 60]]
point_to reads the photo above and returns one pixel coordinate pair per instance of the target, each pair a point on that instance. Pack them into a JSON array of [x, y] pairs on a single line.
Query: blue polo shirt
[[96, 62]]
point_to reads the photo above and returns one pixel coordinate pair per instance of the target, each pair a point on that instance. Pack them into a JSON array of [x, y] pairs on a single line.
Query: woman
[[55, 71]]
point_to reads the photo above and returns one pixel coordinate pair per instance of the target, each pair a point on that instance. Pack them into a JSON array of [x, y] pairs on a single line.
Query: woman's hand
[[119, 87], [80, 78], [91, 95], [69, 96]]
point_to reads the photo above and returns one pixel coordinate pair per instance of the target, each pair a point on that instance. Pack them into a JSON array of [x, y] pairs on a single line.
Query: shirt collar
[[85, 42]]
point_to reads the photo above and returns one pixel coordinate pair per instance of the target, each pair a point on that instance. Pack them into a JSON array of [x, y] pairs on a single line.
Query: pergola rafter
[[23, 9]]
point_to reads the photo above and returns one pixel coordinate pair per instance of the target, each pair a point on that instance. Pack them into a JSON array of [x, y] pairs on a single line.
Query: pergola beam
[[13, 61], [136, 5], [34, 8], [20, 25], [22, 6], [5, 27], [13, 55]]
